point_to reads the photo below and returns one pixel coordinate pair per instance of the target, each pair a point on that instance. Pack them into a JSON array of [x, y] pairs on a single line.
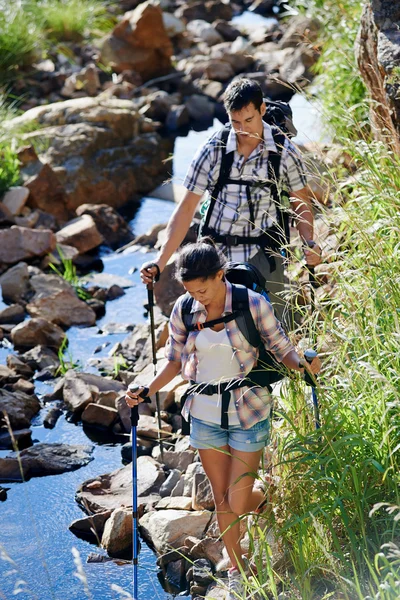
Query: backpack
[[279, 116], [243, 276]]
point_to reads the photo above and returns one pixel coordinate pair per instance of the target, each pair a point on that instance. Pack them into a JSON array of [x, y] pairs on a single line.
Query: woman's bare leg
[[233, 492]]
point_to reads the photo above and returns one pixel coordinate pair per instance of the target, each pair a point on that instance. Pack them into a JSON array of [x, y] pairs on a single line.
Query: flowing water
[[35, 543]]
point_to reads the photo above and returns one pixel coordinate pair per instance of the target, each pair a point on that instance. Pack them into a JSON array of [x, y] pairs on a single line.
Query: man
[[244, 218]]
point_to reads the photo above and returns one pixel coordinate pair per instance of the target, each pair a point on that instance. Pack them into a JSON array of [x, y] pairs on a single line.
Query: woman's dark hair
[[240, 92], [199, 260]]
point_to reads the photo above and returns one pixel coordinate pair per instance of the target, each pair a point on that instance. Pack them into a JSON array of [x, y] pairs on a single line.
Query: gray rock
[[202, 572], [19, 407], [44, 459], [52, 417], [40, 358], [202, 496], [169, 528], [99, 416], [113, 490], [15, 283], [81, 233], [12, 314], [109, 223], [117, 534], [15, 198], [63, 308], [23, 437], [170, 482]]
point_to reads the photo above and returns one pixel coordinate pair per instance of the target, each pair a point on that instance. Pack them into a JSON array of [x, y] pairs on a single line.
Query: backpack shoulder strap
[[224, 173], [244, 320], [274, 167], [186, 310]]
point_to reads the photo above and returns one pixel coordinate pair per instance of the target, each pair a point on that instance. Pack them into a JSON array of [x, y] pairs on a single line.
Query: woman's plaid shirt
[[231, 214], [253, 404]]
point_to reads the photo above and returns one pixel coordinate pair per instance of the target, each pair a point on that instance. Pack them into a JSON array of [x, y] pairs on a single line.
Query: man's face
[[248, 121]]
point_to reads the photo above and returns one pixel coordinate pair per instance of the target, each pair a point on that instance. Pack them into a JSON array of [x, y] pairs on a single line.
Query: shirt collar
[[199, 307], [267, 143]]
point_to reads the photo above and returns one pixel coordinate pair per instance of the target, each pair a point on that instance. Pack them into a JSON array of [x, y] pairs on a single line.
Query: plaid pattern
[[231, 213], [253, 404]]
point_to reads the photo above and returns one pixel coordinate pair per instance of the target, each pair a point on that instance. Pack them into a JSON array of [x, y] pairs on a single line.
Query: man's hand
[[149, 272]]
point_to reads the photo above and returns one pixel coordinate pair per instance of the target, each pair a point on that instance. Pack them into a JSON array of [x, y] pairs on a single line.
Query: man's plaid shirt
[[231, 215], [252, 404]]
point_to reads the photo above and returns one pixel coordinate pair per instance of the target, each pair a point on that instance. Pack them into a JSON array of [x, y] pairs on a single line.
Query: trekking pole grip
[[309, 356]]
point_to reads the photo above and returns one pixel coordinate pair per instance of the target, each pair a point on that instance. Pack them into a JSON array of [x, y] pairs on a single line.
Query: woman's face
[[204, 290]]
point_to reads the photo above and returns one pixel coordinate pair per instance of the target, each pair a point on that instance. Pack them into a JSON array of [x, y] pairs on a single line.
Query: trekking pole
[[135, 535], [150, 300], [309, 355], [134, 422], [313, 282]]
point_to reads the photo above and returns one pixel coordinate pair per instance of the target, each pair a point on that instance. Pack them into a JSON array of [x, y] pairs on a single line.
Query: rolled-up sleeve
[[198, 175], [177, 334], [294, 172], [269, 328]]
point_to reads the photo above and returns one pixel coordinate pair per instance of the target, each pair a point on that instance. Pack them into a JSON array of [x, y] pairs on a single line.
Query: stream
[[36, 545]]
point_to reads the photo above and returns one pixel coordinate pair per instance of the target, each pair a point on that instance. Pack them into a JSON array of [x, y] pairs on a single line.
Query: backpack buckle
[[232, 240], [198, 326]]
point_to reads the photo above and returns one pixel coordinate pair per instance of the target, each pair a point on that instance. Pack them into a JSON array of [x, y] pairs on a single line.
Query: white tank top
[[216, 363]]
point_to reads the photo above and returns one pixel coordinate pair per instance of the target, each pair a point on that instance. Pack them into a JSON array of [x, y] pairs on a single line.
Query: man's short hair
[[240, 92]]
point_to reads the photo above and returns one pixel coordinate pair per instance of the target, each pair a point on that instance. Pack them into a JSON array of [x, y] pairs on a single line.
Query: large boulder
[[166, 529], [97, 149], [19, 407], [14, 283], [21, 243], [44, 459], [114, 490], [378, 57], [63, 308], [139, 42]]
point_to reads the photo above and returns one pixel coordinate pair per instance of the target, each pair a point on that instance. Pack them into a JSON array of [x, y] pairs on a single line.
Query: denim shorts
[[205, 436]]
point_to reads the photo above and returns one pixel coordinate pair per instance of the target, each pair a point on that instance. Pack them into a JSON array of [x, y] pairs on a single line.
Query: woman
[[214, 356]]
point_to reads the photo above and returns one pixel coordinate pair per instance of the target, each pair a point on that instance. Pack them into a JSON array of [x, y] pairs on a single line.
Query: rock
[[228, 32], [208, 548], [50, 420], [297, 70], [218, 70], [176, 460], [90, 528], [63, 308], [6, 218], [202, 572], [24, 386], [62, 253], [378, 56], [168, 289], [172, 25], [170, 483], [86, 80], [12, 314], [99, 416], [37, 331], [140, 42], [19, 407], [115, 489], [77, 394], [40, 358], [200, 108], [208, 11], [97, 149], [3, 494], [148, 427], [215, 591], [46, 192], [15, 198], [15, 363], [169, 528], [203, 31], [171, 556], [117, 535], [81, 233], [174, 503], [44, 459], [301, 30], [111, 226], [20, 243], [6, 374], [202, 496], [23, 438]]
